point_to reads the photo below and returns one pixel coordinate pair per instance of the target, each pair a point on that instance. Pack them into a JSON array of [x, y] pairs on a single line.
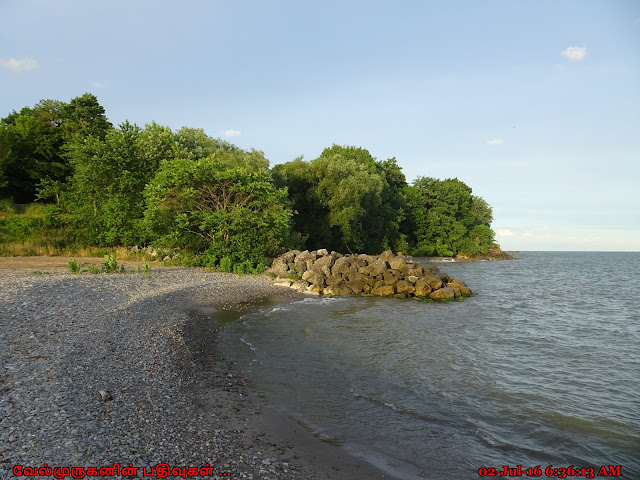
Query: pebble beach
[[123, 369]]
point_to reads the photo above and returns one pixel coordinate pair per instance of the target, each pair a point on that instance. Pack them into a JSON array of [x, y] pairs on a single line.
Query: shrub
[[109, 265], [73, 266]]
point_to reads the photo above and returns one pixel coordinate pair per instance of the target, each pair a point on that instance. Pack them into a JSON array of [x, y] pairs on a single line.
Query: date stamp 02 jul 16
[[551, 471]]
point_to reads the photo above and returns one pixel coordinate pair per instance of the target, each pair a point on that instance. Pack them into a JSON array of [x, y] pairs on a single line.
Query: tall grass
[[37, 230]]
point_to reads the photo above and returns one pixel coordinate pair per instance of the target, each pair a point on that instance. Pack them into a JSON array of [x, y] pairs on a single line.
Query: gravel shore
[[148, 343]]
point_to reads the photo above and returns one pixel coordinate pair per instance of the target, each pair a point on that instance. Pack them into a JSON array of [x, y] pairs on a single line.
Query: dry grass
[[32, 249]]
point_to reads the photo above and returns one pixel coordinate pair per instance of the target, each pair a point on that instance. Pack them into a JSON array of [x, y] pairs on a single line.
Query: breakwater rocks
[[386, 275]]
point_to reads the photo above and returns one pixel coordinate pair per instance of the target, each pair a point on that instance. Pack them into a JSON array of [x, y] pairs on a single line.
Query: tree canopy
[[128, 185]]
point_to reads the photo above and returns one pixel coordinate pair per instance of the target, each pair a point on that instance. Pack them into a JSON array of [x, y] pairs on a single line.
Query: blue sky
[[534, 104]]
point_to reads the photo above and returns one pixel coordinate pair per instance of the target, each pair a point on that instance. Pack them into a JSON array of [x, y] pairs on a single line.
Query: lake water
[[540, 367]]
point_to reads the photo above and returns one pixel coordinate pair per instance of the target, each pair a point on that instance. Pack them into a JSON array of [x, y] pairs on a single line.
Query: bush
[[218, 211], [73, 266], [109, 265]]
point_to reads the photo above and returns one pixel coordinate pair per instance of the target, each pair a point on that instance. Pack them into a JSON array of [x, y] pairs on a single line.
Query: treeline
[[124, 185]]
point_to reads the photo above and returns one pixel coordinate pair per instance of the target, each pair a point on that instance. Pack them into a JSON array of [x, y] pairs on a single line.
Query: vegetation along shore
[[71, 181]]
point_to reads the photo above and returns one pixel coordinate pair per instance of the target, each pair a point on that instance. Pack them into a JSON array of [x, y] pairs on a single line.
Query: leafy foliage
[[345, 199], [447, 218], [106, 190], [33, 145], [224, 212], [217, 203]]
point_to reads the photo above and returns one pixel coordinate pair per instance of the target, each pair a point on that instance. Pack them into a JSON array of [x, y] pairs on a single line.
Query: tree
[[33, 145], [209, 206], [447, 218], [106, 191], [345, 199], [84, 116]]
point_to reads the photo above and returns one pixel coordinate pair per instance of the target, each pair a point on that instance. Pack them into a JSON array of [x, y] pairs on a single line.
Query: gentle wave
[[527, 371]]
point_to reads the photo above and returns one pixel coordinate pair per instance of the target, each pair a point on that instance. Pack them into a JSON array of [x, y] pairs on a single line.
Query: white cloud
[[231, 133], [575, 54], [496, 141], [15, 65], [98, 84], [503, 232]]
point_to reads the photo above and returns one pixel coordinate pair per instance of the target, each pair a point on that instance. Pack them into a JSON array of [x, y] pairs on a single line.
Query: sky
[[533, 104]]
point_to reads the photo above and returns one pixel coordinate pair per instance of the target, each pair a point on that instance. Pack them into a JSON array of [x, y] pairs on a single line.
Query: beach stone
[[356, 286], [315, 288], [300, 285], [400, 264], [434, 281], [391, 277], [303, 259], [405, 288], [333, 280], [338, 290], [386, 255], [415, 270], [423, 289], [378, 267], [341, 266], [280, 267], [461, 286], [383, 290], [313, 276], [326, 260], [445, 293]]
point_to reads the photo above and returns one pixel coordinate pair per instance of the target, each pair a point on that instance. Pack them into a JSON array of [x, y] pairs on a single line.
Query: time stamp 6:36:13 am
[[551, 471]]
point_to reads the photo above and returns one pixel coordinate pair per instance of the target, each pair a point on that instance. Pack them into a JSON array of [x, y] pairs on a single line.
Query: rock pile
[[387, 275]]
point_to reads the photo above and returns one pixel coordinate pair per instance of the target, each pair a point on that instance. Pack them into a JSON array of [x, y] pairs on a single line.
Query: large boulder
[[338, 290], [445, 293], [313, 276], [423, 289], [400, 264], [326, 260], [461, 287], [377, 267], [405, 288], [386, 255], [304, 260], [434, 281], [383, 291], [280, 267], [358, 287], [341, 266]]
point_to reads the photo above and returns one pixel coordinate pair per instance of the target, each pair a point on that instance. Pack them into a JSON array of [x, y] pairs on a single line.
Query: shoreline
[[297, 443], [176, 400]]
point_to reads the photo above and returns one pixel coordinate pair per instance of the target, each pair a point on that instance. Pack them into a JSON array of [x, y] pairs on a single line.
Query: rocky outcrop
[[386, 275]]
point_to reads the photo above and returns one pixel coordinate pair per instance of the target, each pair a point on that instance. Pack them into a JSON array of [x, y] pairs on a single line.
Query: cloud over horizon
[[495, 141], [18, 66], [575, 54]]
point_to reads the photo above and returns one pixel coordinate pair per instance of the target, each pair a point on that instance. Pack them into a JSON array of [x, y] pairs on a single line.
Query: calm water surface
[[540, 367]]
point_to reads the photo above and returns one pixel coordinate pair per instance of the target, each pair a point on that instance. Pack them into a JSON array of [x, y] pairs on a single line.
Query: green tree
[[447, 218], [34, 159], [345, 200], [209, 206], [106, 191], [84, 116]]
